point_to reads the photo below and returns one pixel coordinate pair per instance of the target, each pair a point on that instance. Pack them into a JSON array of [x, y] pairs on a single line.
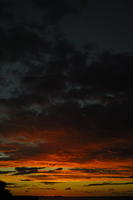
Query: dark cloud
[[68, 188], [59, 9], [6, 172], [127, 167], [65, 101], [50, 183], [130, 176], [59, 169], [97, 170], [109, 183], [26, 170], [60, 103]]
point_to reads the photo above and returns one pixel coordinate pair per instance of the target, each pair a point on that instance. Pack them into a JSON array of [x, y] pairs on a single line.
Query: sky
[[66, 126], [107, 24]]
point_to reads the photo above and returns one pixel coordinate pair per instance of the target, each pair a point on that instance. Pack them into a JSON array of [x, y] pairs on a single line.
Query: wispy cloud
[[109, 183]]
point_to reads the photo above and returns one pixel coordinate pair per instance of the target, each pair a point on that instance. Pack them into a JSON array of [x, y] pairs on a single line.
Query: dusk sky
[[66, 97]]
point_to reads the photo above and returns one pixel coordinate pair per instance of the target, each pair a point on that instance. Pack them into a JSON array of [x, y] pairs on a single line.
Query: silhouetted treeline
[[4, 193]]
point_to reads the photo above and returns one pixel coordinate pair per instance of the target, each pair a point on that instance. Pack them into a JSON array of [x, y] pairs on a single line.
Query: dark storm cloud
[[19, 35], [20, 42], [47, 84], [104, 97], [24, 25], [59, 9], [111, 74], [124, 150]]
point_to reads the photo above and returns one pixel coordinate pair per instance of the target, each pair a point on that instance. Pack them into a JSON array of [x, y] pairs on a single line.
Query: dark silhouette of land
[[4, 193], [85, 198], [70, 198]]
